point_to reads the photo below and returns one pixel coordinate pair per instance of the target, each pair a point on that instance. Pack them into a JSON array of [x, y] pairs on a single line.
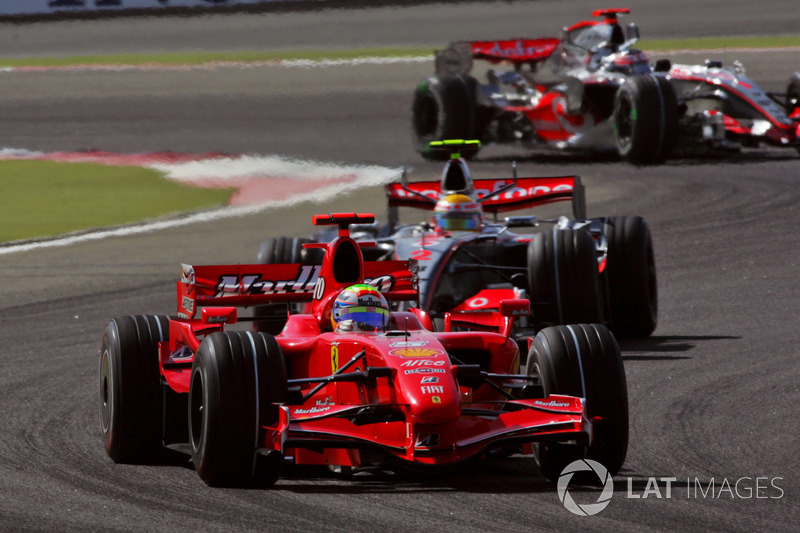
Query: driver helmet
[[360, 307], [458, 212]]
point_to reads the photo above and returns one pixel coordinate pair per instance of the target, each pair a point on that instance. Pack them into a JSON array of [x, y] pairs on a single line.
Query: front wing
[[329, 435]]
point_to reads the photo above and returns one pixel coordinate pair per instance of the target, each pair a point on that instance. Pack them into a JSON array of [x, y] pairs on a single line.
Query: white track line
[[216, 65], [359, 176]]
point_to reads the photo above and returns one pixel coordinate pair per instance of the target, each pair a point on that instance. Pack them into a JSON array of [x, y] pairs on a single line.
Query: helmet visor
[[374, 317], [458, 221]]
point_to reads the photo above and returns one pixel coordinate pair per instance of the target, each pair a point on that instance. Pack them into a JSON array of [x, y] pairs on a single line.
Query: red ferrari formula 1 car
[[349, 382], [592, 90]]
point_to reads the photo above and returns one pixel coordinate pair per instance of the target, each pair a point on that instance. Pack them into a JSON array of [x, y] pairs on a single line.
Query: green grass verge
[[197, 58], [47, 198]]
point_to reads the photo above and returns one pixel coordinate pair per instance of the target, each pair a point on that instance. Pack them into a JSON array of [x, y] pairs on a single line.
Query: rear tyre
[[562, 277], [131, 412], [237, 379], [284, 250], [279, 250], [645, 119], [444, 107], [631, 278], [584, 361]]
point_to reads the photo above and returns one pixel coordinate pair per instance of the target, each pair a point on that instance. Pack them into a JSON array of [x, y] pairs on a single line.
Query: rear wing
[[514, 50], [248, 285], [457, 57], [497, 195]]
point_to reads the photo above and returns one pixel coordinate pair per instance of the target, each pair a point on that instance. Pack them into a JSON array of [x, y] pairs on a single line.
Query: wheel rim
[[623, 123], [106, 391], [196, 410]]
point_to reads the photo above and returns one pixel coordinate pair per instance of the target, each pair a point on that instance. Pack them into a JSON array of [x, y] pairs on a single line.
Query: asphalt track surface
[[713, 393]]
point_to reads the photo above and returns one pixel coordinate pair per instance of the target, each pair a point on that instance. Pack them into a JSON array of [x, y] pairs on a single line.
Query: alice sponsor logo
[[422, 362]]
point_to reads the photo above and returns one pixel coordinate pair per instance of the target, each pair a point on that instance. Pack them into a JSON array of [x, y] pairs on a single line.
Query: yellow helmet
[[458, 212]]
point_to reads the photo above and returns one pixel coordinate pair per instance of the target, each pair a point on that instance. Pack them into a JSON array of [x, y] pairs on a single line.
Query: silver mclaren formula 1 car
[[592, 90], [572, 269]]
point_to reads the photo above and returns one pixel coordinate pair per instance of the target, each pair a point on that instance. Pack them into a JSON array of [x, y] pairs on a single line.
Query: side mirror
[[522, 221], [632, 32], [219, 315], [515, 308]]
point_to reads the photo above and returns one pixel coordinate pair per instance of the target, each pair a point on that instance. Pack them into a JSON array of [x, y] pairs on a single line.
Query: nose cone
[[424, 379], [435, 403]]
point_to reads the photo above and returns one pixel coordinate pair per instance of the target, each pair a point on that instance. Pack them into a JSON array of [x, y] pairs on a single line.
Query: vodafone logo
[[478, 302]]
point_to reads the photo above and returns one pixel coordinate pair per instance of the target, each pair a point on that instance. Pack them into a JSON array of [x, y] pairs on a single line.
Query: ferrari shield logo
[[334, 358]]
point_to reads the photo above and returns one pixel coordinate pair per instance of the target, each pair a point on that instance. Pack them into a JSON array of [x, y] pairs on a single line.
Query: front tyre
[[584, 361], [645, 119], [631, 277], [237, 379], [131, 412]]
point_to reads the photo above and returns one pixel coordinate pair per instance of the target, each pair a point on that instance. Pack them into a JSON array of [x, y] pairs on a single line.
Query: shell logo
[[415, 352]]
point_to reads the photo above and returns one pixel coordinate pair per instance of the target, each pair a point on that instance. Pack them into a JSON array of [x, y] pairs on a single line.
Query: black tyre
[[131, 413], [279, 250], [645, 119], [585, 361], [630, 277], [444, 107], [562, 277], [285, 250], [237, 378]]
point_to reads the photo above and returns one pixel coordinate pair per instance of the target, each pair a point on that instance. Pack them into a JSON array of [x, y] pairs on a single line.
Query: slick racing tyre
[[131, 413], [444, 107], [630, 276], [237, 378], [584, 361], [645, 119], [285, 250], [278, 250], [562, 277]]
